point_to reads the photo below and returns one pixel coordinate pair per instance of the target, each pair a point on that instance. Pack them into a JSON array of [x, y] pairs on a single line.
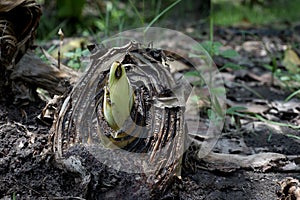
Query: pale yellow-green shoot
[[118, 97]]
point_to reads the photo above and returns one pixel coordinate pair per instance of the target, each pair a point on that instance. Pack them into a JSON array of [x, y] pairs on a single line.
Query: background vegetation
[[92, 17]]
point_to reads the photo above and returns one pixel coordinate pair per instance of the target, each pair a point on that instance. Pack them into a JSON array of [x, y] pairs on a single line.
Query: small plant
[[288, 76], [75, 57], [213, 49], [235, 113], [14, 196]]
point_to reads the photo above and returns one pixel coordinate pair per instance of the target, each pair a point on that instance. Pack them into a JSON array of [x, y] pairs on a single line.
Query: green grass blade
[[293, 136], [137, 12], [161, 14], [259, 117], [292, 95]]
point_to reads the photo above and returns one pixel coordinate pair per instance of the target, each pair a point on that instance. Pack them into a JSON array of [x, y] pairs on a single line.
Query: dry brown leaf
[[177, 66], [266, 78], [289, 189], [290, 106], [232, 162], [291, 61], [254, 48]]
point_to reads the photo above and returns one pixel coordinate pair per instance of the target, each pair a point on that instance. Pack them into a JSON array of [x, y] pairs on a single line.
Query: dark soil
[[27, 169]]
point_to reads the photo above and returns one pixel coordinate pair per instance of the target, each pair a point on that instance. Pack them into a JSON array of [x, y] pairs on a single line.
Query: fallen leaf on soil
[[261, 126], [178, 66], [290, 106], [232, 162], [291, 61], [265, 78], [228, 76], [255, 48], [289, 189], [250, 107]]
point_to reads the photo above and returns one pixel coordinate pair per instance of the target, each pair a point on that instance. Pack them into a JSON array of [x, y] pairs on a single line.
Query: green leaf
[[234, 109], [232, 66], [211, 115], [85, 52], [69, 54], [230, 53], [285, 78], [217, 107], [201, 56], [74, 64], [268, 67], [198, 47], [218, 91], [213, 48], [192, 73]]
